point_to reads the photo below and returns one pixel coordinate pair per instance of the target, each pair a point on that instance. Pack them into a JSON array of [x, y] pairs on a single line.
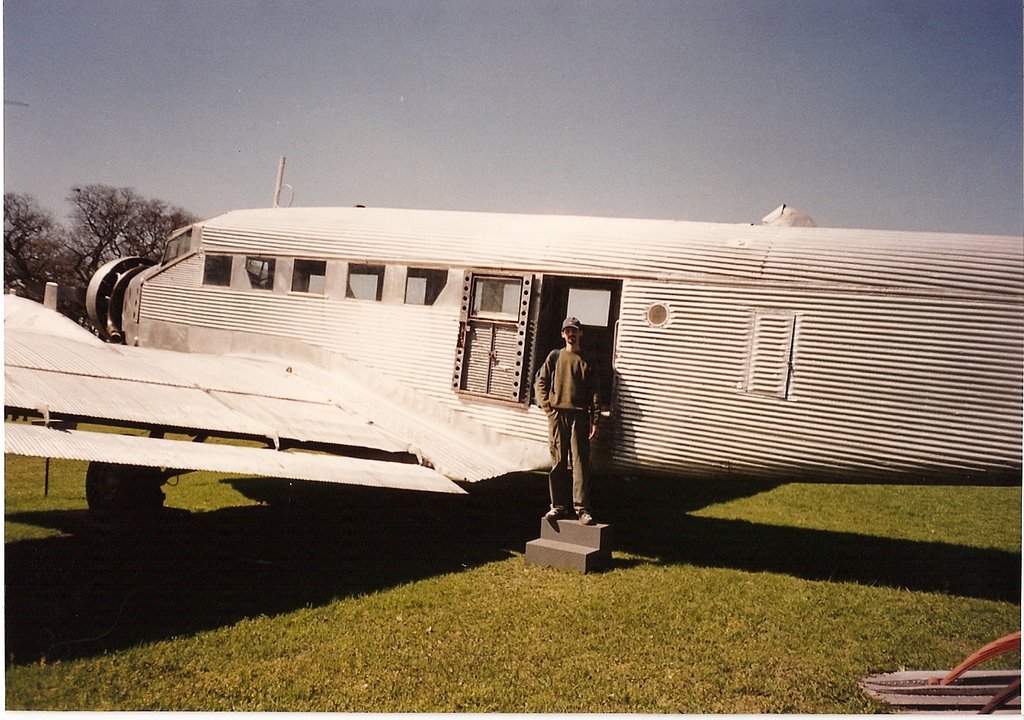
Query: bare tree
[[35, 250], [105, 223], [155, 220], [110, 222]]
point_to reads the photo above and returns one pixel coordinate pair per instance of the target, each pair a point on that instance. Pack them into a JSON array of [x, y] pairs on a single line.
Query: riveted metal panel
[[491, 355], [880, 385]]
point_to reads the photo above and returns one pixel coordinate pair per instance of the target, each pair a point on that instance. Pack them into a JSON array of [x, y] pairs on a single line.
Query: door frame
[[505, 336], [553, 307]]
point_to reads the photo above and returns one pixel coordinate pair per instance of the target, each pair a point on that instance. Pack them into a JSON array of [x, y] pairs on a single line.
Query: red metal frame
[[1005, 644]]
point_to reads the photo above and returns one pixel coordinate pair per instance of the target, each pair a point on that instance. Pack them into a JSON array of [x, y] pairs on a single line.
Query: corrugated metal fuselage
[[788, 353]]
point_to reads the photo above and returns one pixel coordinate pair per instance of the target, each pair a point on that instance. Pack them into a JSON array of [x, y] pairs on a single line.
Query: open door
[[595, 302]]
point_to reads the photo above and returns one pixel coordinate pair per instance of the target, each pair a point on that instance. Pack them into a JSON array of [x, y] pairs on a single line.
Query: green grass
[[734, 598]]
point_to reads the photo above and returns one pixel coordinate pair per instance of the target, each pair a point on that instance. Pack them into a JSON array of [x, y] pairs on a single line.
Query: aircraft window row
[[419, 286]]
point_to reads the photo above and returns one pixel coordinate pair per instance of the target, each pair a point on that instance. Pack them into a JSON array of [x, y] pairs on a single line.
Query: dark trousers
[[569, 479]]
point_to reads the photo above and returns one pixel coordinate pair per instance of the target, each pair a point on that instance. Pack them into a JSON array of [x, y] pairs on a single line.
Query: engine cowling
[[104, 298]]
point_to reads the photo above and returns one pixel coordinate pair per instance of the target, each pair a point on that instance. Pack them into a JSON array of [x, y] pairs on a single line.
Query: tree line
[[105, 223]]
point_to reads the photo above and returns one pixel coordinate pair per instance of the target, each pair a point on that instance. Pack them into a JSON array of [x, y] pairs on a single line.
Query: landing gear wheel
[[112, 488]]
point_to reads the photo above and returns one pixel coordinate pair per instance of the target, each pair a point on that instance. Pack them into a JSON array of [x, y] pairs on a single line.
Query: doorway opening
[[595, 303]]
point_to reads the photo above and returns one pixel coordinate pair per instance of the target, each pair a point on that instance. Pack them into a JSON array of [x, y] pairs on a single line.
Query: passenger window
[[217, 270], [365, 282], [309, 276], [423, 285], [497, 298], [260, 272]]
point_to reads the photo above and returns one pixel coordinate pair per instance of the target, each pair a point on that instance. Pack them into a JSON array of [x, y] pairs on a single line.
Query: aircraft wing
[[367, 430]]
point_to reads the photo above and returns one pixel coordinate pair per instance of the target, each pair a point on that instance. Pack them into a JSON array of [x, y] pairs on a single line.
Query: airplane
[[398, 347]]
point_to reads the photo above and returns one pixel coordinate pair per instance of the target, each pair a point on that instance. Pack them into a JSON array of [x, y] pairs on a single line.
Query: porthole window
[[657, 315]]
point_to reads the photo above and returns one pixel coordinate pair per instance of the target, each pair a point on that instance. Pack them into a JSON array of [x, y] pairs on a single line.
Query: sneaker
[[585, 519], [555, 514]]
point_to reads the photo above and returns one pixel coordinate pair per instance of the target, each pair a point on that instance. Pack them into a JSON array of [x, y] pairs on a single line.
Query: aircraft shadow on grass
[[102, 587]]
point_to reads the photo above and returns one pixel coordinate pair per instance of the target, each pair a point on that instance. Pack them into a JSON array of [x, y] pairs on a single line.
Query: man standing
[[568, 390]]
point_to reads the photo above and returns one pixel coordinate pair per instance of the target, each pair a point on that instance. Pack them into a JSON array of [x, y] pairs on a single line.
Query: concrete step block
[[556, 554], [572, 531]]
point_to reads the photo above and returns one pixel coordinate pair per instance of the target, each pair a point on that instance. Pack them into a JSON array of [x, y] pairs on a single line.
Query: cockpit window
[[309, 276], [217, 270], [177, 246], [261, 272]]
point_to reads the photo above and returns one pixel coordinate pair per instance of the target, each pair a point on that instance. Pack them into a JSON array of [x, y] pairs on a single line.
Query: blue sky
[[863, 113]]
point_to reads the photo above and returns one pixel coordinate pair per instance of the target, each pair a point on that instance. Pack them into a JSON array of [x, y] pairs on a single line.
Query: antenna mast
[[280, 184]]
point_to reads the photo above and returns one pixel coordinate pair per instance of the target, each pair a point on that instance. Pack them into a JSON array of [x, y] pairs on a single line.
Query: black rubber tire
[[113, 488]]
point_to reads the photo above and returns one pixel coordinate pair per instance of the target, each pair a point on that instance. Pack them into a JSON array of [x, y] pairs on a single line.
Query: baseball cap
[[571, 322]]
